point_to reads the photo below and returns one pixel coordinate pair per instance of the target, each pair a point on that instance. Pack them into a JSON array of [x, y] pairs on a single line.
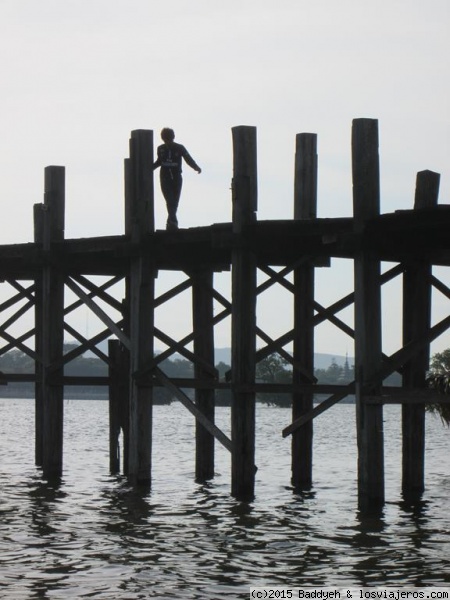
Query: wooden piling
[[203, 326], [119, 383], [243, 328], [38, 218], [368, 345], [413, 239], [416, 325], [305, 207], [51, 324], [141, 298]]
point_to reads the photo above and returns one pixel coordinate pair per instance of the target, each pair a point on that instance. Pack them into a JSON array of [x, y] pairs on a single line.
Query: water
[[95, 537]]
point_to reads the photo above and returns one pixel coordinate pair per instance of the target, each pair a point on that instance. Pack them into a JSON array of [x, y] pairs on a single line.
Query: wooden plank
[[317, 410], [98, 291], [86, 344], [203, 326], [305, 207], [307, 374], [243, 316], [193, 409], [181, 349], [396, 361], [368, 349], [106, 319], [416, 325]]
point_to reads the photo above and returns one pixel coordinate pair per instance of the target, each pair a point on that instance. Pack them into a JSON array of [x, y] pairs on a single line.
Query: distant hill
[[321, 361]]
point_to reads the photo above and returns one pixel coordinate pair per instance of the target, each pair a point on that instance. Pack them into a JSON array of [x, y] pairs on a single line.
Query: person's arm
[[158, 160], [190, 161]]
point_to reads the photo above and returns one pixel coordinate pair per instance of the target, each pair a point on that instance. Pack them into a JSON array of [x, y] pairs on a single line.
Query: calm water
[[94, 537]]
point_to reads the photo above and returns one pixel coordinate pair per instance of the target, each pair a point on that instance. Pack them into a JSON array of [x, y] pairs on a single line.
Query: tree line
[[273, 369]]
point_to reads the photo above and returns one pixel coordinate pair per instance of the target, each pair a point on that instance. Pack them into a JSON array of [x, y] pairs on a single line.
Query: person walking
[[170, 155]]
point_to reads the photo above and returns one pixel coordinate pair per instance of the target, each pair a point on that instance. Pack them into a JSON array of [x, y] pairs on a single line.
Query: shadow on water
[[44, 495], [126, 508]]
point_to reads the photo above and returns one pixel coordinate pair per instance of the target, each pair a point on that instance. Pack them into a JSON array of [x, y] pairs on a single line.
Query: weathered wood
[[243, 316], [415, 238], [318, 410], [203, 326], [416, 325], [106, 319], [140, 207], [305, 207], [140, 301], [38, 217], [51, 323], [118, 405], [368, 348]]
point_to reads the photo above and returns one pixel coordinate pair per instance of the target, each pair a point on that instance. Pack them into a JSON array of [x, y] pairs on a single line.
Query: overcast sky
[[78, 75]]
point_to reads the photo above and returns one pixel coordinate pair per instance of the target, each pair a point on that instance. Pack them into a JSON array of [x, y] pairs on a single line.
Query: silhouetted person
[[170, 155]]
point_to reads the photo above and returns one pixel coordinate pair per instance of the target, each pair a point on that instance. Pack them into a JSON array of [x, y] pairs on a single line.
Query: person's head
[[167, 135]]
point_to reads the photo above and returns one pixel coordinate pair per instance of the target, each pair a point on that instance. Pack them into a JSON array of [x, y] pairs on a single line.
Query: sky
[[78, 76]]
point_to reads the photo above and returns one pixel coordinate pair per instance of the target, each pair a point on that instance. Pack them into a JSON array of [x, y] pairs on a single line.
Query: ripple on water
[[92, 535]]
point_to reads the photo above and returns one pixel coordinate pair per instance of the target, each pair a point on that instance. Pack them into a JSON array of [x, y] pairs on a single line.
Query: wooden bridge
[[288, 252]]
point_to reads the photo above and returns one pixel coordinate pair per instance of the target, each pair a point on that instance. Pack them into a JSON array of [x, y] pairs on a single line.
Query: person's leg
[[171, 189]]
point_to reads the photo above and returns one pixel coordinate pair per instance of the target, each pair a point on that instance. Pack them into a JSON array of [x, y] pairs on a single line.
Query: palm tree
[[439, 379]]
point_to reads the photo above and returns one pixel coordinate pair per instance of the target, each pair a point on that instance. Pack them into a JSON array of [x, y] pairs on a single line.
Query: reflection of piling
[[412, 240]]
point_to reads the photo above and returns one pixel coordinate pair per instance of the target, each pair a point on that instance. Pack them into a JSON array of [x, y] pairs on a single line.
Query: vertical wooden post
[[243, 328], [119, 383], [416, 323], [368, 346], [51, 322], [203, 325], [38, 214], [141, 291], [125, 351], [305, 207]]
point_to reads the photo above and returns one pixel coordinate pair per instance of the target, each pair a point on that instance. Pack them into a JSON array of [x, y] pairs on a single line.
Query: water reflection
[[43, 496], [92, 535]]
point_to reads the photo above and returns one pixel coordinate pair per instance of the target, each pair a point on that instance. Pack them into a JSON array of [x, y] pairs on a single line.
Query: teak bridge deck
[[414, 240]]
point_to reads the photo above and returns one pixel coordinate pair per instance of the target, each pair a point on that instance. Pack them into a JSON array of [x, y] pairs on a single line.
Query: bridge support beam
[[141, 297], [305, 207], [203, 325], [49, 228], [416, 325], [243, 328], [368, 344]]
